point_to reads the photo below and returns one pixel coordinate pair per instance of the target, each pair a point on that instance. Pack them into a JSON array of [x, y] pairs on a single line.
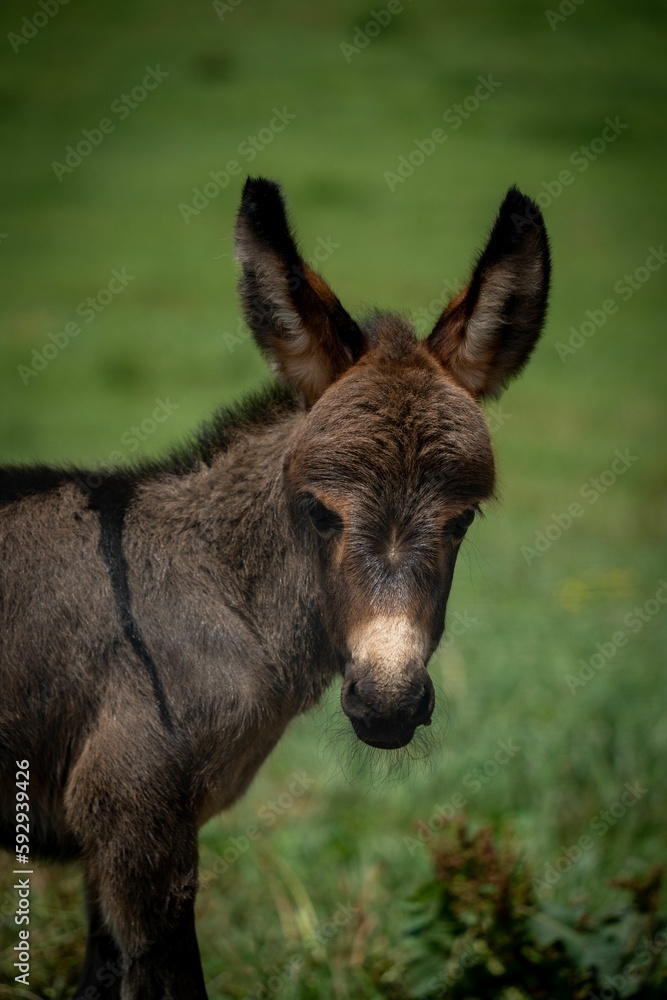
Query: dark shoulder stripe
[[111, 500]]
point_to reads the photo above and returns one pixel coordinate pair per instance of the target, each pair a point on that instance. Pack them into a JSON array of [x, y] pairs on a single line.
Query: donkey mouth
[[385, 739], [393, 745]]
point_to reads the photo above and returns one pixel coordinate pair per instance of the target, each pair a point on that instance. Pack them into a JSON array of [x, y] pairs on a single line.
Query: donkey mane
[[259, 409]]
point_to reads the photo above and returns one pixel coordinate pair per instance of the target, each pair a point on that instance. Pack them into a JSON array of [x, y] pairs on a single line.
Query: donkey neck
[[233, 547]]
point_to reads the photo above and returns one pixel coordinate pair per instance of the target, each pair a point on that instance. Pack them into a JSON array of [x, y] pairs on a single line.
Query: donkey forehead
[[394, 422]]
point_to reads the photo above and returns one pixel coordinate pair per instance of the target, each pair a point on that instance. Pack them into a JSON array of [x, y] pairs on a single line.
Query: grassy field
[[534, 599]]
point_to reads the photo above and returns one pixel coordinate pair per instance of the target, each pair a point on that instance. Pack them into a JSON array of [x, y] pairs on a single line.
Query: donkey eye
[[325, 521], [459, 525]]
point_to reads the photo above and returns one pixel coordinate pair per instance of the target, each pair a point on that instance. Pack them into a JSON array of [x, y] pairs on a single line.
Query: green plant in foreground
[[477, 930]]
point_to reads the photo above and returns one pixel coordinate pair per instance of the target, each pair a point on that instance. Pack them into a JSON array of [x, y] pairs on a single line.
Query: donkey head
[[392, 459]]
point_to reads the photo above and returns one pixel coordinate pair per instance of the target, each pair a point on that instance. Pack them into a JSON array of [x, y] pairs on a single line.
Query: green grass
[[163, 337]]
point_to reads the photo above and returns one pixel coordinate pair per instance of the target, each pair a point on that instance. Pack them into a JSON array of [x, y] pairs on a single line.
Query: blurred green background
[[526, 620]]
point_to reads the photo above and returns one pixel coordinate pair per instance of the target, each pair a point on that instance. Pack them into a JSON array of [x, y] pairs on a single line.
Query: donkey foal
[[161, 625]]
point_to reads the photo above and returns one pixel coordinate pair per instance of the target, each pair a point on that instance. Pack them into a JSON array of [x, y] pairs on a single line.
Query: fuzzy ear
[[487, 333], [296, 319]]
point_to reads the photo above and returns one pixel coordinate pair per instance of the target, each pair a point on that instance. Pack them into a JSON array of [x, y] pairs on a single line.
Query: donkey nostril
[[424, 708], [352, 695], [352, 701]]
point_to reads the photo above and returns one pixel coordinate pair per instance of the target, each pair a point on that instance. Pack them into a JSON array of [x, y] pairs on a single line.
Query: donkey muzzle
[[386, 715]]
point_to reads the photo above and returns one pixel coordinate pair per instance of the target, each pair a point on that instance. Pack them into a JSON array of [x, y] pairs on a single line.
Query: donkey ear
[[296, 319], [487, 333]]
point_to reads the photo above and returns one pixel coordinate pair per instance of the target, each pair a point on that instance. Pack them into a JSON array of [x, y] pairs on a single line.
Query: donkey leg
[[139, 841], [147, 883], [147, 892], [169, 967], [103, 965]]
